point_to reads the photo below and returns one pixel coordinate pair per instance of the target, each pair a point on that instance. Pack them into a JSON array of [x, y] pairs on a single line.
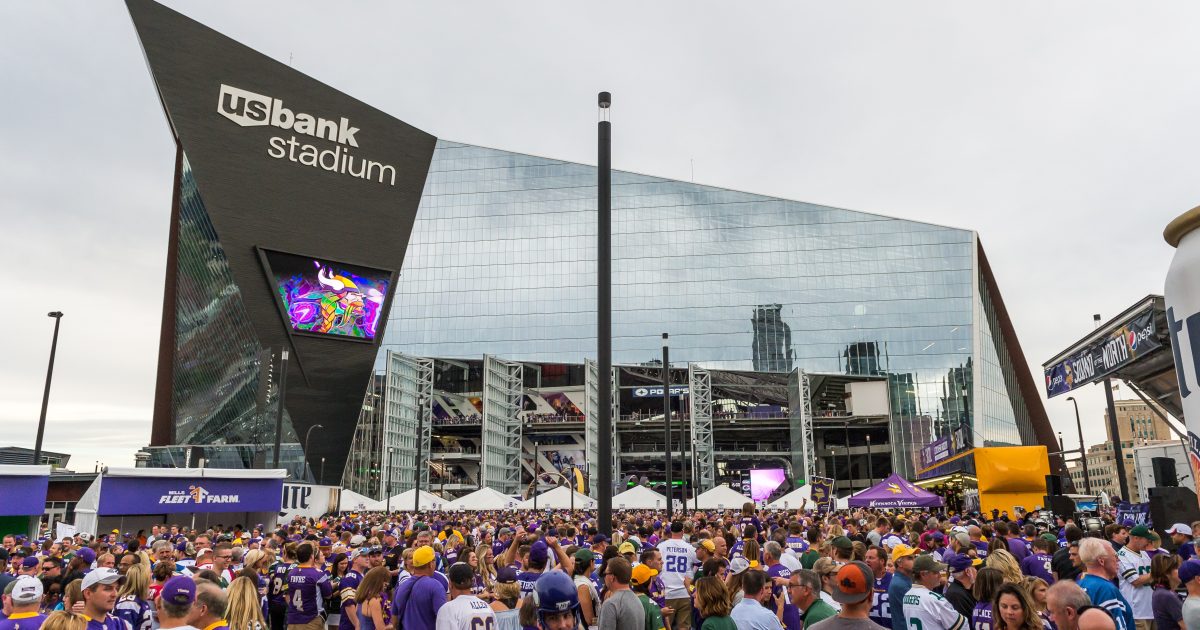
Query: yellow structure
[[1011, 476]]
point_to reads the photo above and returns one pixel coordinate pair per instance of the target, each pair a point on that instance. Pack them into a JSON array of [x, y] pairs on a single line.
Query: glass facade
[[502, 261]]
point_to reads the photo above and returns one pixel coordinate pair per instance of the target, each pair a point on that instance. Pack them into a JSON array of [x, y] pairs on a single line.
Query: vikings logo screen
[[329, 298]]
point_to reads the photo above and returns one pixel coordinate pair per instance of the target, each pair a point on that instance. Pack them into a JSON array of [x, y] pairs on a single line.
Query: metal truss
[[700, 402], [803, 446], [503, 389], [408, 417]]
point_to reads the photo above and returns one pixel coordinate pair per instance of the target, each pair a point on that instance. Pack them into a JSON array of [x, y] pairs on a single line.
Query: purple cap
[[325, 542], [938, 536], [1189, 571], [508, 575], [87, 554], [30, 562], [179, 591], [538, 552], [599, 538], [955, 519]]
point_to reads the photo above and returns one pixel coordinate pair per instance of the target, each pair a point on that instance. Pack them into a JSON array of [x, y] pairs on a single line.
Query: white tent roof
[[639, 498], [793, 500], [24, 470], [351, 501], [404, 502], [559, 498], [721, 497], [483, 499], [205, 473]]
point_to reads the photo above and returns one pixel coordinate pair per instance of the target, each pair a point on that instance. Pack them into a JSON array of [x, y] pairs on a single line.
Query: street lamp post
[[870, 466], [388, 483], [322, 469], [307, 435], [1087, 479], [279, 395], [666, 385], [604, 310], [41, 431]]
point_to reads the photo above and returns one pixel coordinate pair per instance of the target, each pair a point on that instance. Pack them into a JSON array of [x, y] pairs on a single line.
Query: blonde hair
[[73, 593], [254, 557], [1031, 584], [65, 620], [486, 570], [137, 582], [1007, 564], [244, 611]]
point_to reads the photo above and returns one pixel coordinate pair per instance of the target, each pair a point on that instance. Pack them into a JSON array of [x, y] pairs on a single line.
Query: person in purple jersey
[[987, 582], [418, 599], [877, 560], [779, 575], [1016, 545], [795, 539], [22, 603], [1038, 563], [348, 588], [308, 587], [277, 588], [99, 598], [1181, 536], [977, 541]]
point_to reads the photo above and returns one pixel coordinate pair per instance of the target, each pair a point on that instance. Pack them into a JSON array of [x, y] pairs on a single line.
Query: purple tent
[[895, 492]]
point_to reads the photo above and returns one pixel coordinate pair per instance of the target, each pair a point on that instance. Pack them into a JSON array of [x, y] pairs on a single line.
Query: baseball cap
[[599, 538], [642, 574], [1141, 531], [585, 556], [626, 547], [738, 565], [506, 575], [87, 554], [842, 542], [1180, 528], [179, 591], [901, 551], [961, 562], [102, 575], [853, 583], [26, 590], [422, 556], [1189, 571], [927, 563], [356, 540], [459, 573], [31, 562], [709, 545]]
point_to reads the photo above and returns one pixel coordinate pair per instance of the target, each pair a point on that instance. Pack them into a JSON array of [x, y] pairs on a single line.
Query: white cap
[[357, 540], [102, 575], [1180, 528], [26, 590]]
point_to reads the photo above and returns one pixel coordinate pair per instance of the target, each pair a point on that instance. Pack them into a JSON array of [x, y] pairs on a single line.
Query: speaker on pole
[[1169, 505], [1054, 485], [1164, 472]]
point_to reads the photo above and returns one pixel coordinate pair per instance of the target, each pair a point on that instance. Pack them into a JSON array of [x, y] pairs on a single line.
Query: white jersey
[[892, 539], [465, 612], [1132, 565], [677, 560], [926, 610]]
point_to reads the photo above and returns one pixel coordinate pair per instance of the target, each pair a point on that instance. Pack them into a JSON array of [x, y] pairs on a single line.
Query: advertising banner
[[656, 392], [1130, 514], [24, 495], [175, 495], [306, 500], [1135, 338], [936, 451], [822, 494]]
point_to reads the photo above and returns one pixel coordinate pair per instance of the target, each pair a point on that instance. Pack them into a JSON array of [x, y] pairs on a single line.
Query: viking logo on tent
[[894, 488]]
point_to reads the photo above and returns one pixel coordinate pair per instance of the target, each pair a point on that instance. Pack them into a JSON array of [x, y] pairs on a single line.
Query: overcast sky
[[1065, 133]]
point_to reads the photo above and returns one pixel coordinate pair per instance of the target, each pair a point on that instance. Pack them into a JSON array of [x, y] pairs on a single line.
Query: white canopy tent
[[351, 501], [404, 501], [720, 497], [559, 498], [639, 498], [794, 499], [483, 499]]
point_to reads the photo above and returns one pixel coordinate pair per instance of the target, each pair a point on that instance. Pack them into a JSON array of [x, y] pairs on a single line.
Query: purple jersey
[[797, 544], [346, 589], [981, 617], [1038, 565], [108, 623], [23, 621], [1018, 548], [527, 580], [981, 548], [880, 612], [135, 611], [277, 583], [307, 590], [774, 571]]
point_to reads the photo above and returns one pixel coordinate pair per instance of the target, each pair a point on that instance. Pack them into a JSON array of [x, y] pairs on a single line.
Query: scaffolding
[[803, 445], [700, 401], [503, 390], [408, 420]]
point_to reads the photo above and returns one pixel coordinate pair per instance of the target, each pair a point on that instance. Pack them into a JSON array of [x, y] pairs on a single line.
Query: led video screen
[[328, 298], [764, 481]]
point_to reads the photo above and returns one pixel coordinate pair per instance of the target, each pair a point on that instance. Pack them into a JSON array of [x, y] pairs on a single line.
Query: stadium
[[443, 328]]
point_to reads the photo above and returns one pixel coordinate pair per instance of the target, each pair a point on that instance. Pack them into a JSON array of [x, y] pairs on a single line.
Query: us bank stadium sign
[[1135, 338]]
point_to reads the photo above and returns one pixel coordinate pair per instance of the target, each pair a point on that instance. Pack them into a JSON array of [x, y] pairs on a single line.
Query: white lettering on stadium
[[248, 109]]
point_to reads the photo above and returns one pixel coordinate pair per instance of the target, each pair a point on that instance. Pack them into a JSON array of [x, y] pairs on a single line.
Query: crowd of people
[[557, 570]]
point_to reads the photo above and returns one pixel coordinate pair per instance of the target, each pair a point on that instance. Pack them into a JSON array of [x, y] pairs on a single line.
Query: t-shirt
[[1168, 608], [981, 548], [1106, 595], [1191, 613], [1132, 565], [1018, 548], [898, 588], [417, 602], [718, 623], [927, 610], [308, 588], [677, 559], [1060, 563], [880, 611], [1186, 551], [981, 617], [346, 590], [892, 539], [842, 623], [751, 615], [774, 571], [622, 611], [1038, 565], [465, 612], [818, 612], [961, 598], [654, 618], [22, 621]]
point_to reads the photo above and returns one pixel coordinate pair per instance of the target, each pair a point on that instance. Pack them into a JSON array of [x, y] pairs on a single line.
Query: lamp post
[[604, 310], [322, 469], [283, 359], [1087, 479], [41, 431], [870, 466], [387, 486], [307, 435], [666, 385]]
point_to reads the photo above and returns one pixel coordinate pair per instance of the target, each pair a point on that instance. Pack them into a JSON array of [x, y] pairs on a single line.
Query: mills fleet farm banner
[[1136, 337], [173, 495]]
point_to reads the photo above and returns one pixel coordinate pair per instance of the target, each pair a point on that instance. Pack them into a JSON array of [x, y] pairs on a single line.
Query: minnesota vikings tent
[[894, 492], [720, 498], [639, 498], [559, 498], [483, 499], [350, 501], [403, 502]]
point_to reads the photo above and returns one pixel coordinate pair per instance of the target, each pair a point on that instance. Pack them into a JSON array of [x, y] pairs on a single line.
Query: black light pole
[[307, 436], [1115, 432], [283, 359], [419, 464], [604, 311], [1087, 479], [388, 484], [870, 466], [849, 466], [322, 470], [666, 385], [37, 445], [536, 465]]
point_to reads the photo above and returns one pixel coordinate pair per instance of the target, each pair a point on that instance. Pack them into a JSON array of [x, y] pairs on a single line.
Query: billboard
[[321, 297], [1136, 337], [764, 481]]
